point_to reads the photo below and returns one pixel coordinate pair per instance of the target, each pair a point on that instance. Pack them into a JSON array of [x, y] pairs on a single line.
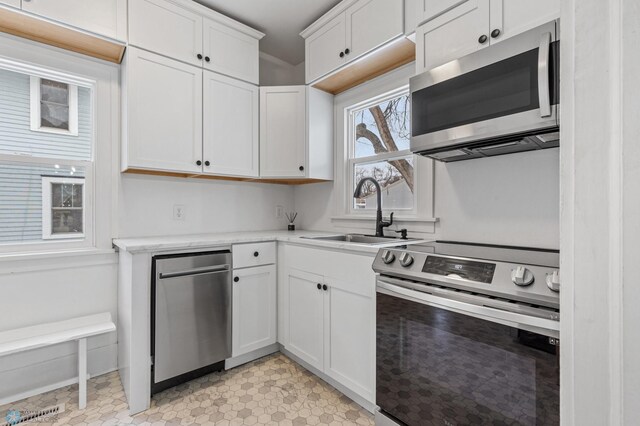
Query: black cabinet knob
[[347, 51], [256, 254], [199, 56], [495, 33], [301, 168], [207, 163], [324, 287], [482, 39], [199, 163], [342, 54], [208, 59], [236, 279], [319, 286]]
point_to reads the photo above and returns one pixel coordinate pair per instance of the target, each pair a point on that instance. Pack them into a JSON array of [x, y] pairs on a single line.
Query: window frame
[[47, 207], [352, 161], [36, 107]]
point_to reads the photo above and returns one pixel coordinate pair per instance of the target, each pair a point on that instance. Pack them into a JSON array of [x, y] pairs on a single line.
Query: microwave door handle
[[543, 75]]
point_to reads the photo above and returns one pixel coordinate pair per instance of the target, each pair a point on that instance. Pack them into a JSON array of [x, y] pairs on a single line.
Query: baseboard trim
[[48, 388], [361, 401], [251, 356]]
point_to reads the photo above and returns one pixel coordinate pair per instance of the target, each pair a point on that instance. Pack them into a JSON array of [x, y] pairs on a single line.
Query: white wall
[[276, 72], [146, 206]]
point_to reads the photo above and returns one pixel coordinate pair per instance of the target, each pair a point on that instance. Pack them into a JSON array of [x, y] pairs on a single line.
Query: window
[[378, 136], [62, 207], [46, 162], [54, 106]]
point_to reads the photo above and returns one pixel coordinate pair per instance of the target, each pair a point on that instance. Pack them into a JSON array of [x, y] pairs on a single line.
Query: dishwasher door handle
[[195, 271]]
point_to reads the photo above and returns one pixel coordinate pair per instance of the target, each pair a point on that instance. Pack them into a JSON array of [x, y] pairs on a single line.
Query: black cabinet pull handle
[[199, 56], [342, 54], [256, 254], [324, 287], [301, 168], [482, 39], [198, 163], [208, 59], [347, 51], [236, 279], [319, 286], [207, 163], [495, 33]]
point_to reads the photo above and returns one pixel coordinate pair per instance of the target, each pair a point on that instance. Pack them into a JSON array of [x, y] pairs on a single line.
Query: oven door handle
[[551, 327], [544, 95]]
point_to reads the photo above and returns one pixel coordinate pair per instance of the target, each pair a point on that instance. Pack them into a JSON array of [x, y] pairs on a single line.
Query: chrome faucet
[[380, 224]]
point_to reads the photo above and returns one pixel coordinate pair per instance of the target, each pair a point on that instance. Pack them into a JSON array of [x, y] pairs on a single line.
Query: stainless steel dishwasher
[[190, 316]]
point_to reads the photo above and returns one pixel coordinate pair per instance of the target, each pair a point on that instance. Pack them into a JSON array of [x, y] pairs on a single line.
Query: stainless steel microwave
[[498, 100]]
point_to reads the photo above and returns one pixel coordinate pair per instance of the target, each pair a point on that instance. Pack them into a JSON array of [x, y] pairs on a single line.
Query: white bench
[[38, 336]]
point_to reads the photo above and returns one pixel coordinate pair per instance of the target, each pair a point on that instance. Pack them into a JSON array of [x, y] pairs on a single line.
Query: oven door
[[447, 362], [507, 89]]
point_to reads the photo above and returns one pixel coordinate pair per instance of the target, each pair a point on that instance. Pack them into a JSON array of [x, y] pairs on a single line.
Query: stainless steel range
[[467, 334]]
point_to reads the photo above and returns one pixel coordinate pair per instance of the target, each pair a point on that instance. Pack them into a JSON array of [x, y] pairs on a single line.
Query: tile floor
[[270, 391]]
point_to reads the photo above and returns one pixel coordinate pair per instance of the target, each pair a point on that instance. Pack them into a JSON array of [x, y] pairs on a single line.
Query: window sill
[[17, 262], [36, 255], [395, 218]]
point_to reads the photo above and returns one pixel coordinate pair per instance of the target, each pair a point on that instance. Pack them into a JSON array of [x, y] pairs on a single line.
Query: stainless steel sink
[[362, 239]]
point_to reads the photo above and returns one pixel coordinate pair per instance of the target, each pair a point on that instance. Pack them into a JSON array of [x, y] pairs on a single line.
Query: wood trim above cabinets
[[33, 28]]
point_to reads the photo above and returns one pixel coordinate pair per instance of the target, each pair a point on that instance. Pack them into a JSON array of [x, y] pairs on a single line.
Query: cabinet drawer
[[254, 254]]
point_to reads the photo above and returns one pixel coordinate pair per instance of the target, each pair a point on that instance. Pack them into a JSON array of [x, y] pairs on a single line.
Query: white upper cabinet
[[349, 31], [103, 17], [371, 23], [14, 3], [428, 9], [166, 28], [296, 133], [282, 131], [254, 309], [192, 33], [473, 25], [231, 128], [163, 110], [324, 49], [511, 17], [230, 52], [452, 35]]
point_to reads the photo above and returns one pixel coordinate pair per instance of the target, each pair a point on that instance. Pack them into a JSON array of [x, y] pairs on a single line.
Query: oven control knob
[[553, 281], [406, 259], [388, 257], [521, 276]]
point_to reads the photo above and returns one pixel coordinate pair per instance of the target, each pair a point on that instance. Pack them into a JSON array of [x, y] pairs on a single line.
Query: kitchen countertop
[[196, 241]]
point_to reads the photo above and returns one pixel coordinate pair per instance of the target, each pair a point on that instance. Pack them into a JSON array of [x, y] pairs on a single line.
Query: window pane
[[21, 195], [382, 128], [66, 221], [54, 92], [396, 180], [16, 136]]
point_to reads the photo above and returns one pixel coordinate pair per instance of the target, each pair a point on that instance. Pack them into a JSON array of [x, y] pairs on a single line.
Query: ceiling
[[281, 21]]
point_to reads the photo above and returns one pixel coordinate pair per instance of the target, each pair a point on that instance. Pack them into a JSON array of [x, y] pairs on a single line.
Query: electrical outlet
[[178, 212], [279, 212]]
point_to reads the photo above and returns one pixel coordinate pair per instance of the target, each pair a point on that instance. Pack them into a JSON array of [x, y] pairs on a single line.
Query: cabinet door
[[230, 52], [371, 23], [230, 120], [282, 131], [254, 309], [324, 47], [163, 114], [306, 317], [14, 3], [166, 28], [350, 338], [452, 35], [429, 9], [512, 17], [104, 17]]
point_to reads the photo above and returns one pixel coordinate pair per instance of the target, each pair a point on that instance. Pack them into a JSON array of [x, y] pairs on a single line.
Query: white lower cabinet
[[254, 309], [328, 311]]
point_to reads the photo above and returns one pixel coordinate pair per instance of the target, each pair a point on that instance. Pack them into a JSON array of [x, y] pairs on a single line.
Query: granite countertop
[[181, 242]]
